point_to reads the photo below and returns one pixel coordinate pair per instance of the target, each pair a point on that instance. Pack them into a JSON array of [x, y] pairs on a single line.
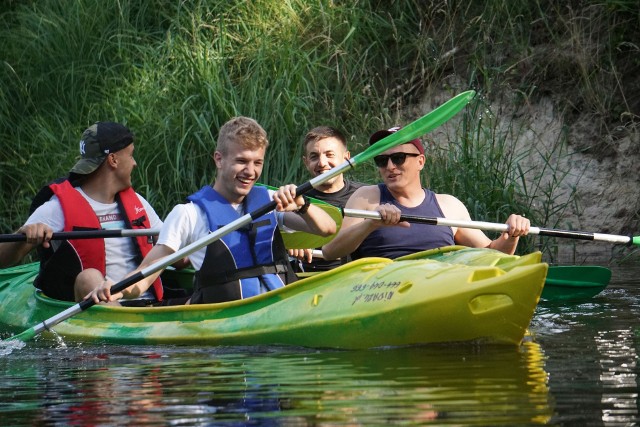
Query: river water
[[578, 367]]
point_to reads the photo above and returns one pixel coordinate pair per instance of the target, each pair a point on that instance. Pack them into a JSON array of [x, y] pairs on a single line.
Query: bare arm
[[507, 242], [12, 253], [103, 293], [314, 221], [355, 230], [36, 234]]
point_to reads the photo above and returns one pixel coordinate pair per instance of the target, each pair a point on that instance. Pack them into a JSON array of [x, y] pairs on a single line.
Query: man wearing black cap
[[97, 195], [401, 193]]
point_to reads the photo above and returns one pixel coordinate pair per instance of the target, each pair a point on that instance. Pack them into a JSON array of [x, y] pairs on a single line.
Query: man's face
[[406, 168], [237, 171], [324, 155], [126, 163]]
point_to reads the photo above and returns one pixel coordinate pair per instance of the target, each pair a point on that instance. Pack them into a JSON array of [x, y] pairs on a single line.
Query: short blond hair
[[243, 131]]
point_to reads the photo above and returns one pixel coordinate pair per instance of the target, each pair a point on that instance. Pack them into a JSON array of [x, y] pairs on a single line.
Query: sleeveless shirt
[[394, 242]]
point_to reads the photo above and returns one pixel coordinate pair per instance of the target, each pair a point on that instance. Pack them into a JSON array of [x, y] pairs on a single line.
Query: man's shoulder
[[373, 188], [445, 197], [448, 201], [354, 184], [188, 208], [48, 213], [339, 198]]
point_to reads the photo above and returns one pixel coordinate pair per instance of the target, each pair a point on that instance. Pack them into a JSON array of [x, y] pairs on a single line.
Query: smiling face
[[323, 155], [238, 169], [239, 157], [400, 177]]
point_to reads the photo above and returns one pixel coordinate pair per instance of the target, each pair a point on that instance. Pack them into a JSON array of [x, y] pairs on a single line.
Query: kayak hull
[[450, 294]]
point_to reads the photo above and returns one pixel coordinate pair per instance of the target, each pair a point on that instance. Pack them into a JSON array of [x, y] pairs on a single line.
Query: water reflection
[[580, 368], [592, 354], [186, 386], [618, 364]]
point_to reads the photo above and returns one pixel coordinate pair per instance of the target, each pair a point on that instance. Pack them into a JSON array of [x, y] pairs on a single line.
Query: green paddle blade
[[575, 282], [419, 127], [24, 336], [301, 240]]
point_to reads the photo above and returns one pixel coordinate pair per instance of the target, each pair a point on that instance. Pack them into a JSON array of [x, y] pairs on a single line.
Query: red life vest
[[78, 215]]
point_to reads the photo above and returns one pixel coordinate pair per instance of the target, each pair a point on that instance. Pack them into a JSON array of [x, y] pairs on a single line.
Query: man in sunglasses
[[400, 193]]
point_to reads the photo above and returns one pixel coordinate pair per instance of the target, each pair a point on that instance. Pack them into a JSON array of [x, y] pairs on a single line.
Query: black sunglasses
[[396, 158]]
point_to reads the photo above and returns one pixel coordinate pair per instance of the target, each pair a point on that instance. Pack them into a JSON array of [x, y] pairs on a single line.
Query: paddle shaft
[[491, 226], [84, 234], [414, 130]]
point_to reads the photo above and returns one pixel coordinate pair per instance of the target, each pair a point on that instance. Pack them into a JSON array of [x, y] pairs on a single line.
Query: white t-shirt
[[120, 252], [186, 223]]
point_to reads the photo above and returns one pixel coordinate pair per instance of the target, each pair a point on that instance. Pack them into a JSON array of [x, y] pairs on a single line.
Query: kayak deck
[[451, 294]]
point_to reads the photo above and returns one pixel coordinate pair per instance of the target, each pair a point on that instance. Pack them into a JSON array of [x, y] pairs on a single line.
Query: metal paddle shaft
[[491, 226], [414, 130], [84, 234]]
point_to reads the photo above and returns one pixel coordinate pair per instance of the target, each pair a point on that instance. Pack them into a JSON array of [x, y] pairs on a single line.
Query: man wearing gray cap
[[96, 195]]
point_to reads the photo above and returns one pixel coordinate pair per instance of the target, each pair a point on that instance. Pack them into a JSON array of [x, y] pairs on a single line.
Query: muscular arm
[[12, 252], [355, 230], [314, 221], [507, 242], [157, 253], [349, 238]]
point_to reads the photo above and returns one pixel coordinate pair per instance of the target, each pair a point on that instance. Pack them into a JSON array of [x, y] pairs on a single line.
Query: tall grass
[[174, 72]]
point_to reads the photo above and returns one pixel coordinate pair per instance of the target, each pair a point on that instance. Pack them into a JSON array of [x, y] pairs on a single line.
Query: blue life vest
[[245, 262], [394, 242]]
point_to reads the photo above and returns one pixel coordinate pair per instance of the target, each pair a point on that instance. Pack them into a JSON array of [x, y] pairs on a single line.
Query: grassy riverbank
[[175, 71]]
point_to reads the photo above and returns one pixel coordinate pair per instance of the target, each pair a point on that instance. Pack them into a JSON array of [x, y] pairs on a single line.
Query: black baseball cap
[[98, 140]]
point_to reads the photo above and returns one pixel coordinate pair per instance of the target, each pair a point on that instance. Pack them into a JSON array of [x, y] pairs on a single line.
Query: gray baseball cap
[[98, 140]]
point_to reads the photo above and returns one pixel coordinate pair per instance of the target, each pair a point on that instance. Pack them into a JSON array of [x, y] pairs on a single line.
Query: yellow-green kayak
[[452, 294]]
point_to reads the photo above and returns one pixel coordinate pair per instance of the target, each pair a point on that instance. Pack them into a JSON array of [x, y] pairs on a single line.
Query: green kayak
[[451, 294]]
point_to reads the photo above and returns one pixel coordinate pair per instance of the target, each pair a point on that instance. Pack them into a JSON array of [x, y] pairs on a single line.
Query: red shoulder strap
[[138, 219], [78, 215]]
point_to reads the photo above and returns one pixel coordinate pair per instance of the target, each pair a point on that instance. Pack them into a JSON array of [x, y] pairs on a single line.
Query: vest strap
[[242, 273]]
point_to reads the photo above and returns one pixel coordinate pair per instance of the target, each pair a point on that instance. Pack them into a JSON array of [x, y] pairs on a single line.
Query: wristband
[[304, 208]]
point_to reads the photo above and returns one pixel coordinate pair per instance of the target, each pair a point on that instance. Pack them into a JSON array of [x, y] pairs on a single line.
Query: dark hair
[[322, 132]]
